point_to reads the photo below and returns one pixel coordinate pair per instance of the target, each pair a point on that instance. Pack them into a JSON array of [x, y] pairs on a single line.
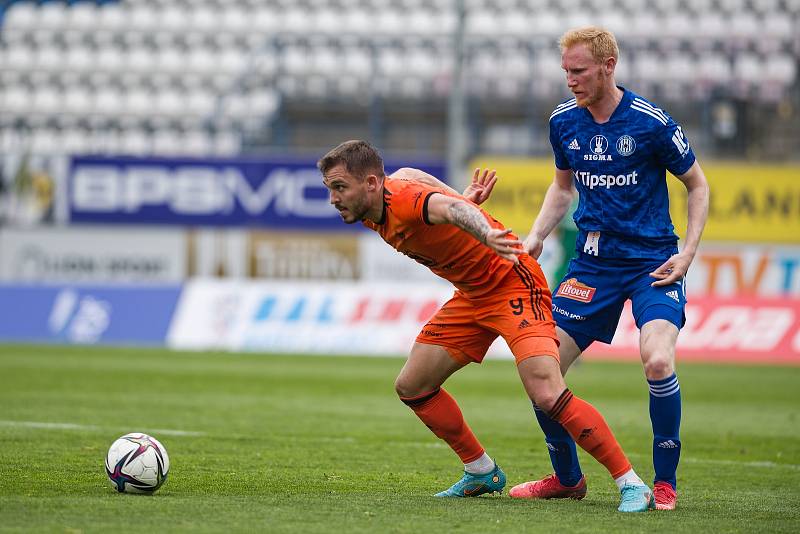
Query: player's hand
[[672, 270], [533, 246], [505, 247], [481, 187]]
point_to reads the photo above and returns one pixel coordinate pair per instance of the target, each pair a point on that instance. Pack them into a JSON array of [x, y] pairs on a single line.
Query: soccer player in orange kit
[[500, 290]]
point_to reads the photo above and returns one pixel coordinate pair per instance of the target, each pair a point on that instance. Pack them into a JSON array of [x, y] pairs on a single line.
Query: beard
[[352, 215], [598, 94]]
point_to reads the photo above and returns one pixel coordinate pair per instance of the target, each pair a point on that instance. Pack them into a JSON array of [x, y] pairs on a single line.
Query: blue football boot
[[636, 499], [473, 485]]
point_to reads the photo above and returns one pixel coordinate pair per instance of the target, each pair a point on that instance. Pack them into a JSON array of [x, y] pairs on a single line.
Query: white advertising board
[[90, 254], [307, 317], [383, 319], [745, 269]]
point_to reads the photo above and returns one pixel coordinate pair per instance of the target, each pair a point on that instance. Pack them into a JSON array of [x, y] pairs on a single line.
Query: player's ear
[[610, 65], [372, 183]]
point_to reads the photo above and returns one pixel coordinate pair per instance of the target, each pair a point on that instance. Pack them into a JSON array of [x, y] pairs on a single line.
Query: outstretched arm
[[417, 175], [556, 203], [676, 267], [443, 209], [477, 191]]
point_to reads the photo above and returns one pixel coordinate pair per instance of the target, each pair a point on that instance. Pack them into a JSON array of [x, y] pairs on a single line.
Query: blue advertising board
[[132, 315], [273, 193]]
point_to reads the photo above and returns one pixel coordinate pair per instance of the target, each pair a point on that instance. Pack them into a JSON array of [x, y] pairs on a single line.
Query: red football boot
[[549, 488], [665, 496]]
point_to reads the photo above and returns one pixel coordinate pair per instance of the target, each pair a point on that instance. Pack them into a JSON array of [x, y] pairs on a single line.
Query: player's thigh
[[660, 313], [657, 340], [520, 312], [456, 329], [427, 367], [568, 349], [588, 303]]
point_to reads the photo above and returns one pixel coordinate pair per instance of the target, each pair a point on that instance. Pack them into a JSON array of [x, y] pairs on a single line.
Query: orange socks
[[590, 431], [440, 412]]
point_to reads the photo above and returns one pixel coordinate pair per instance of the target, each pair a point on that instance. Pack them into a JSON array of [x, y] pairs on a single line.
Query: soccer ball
[[137, 463]]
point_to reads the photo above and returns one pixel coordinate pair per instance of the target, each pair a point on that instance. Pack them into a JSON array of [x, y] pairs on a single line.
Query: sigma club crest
[[626, 145]]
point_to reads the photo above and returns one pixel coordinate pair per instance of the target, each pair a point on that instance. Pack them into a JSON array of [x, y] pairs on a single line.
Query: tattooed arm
[[478, 190], [443, 209]]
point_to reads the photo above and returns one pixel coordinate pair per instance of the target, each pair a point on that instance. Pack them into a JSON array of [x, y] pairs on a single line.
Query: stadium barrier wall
[[87, 314], [384, 318], [124, 254], [346, 318]]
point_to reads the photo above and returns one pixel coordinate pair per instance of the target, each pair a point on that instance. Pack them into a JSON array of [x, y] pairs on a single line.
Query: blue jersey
[[619, 169]]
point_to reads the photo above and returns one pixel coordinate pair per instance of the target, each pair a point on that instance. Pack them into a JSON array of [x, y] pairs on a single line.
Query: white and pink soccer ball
[[137, 463]]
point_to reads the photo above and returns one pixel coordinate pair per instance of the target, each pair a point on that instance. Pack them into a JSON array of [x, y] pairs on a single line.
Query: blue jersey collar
[[623, 106]]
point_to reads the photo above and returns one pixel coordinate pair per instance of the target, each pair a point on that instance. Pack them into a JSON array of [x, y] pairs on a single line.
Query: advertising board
[[92, 254], [751, 203], [384, 319], [86, 314], [257, 192]]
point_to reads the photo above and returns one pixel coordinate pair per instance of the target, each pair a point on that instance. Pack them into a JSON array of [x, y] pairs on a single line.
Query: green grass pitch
[[312, 444]]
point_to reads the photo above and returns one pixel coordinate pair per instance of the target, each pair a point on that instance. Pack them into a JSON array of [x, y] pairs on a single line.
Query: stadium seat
[[780, 69], [46, 100], [19, 57], [21, 17], [79, 59], [135, 141], [234, 20], [203, 19], [141, 18], [83, 17], [49, 59], [137, 101], [77, 101], [17, 101], [390, 22]]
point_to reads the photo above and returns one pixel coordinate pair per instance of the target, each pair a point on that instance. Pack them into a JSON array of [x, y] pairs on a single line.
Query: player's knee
[[406, 387], [543, 383], [545, 400], [658, 367]]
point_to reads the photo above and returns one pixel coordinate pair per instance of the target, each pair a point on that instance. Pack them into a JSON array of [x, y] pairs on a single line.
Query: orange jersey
[[445, 249]]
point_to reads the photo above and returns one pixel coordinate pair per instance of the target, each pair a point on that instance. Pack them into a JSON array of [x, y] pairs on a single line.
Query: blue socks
[[665, 416], [561, 446]]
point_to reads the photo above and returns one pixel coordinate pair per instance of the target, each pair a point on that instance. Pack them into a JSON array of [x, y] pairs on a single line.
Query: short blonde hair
[[601, 42]]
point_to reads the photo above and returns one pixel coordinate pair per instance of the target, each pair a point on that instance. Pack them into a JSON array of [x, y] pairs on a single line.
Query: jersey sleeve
[[673, 149], [410, 204], [558, 150]]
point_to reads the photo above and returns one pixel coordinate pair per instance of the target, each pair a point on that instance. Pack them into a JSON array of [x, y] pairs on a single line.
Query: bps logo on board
[[572, 289]]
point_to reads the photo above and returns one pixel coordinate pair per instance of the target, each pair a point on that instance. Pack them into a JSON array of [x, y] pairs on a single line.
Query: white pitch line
[[73, 426], [764, 463]]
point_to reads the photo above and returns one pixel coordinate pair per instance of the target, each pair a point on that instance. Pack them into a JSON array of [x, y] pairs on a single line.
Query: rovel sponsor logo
[[198, 190], [572, 289]]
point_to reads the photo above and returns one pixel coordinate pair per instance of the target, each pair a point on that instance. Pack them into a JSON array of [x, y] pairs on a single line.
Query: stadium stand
[[224, 75]]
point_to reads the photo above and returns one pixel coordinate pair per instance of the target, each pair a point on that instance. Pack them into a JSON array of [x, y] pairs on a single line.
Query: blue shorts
[[588, 302]]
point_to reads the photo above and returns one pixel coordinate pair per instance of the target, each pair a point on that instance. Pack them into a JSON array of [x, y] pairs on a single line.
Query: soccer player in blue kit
[[615, 147]]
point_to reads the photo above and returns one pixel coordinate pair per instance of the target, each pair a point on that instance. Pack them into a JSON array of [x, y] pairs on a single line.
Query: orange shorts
[[518, 310]]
